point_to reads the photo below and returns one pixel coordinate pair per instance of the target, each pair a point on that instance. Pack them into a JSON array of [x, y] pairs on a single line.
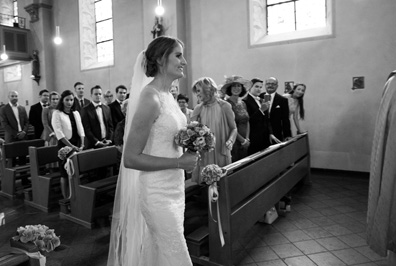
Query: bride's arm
[[146, 112]]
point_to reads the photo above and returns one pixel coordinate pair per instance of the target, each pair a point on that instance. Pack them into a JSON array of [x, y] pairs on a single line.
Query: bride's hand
[[188, 160]]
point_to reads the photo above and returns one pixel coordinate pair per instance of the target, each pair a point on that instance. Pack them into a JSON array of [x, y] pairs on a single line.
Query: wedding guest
[[235, 88], [69, 131], [217, 114], [260, 125], [278, 110], [148, 216], [79, 100], [295, 99], [14, 119], [108, 97], [120, 128], [174, 90], [48, 133], [35, 113], [115, 107], [381, 212], [96, 117], [182, 100]]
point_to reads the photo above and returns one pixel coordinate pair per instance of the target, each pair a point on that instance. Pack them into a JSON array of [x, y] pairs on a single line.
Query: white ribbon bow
[[213, 195]]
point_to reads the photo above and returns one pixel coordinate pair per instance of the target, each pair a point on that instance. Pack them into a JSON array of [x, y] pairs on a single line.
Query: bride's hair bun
[[157, 53]]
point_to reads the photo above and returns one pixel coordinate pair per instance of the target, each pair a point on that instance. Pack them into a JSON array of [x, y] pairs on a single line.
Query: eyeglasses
[[271, 84], [108, 96]]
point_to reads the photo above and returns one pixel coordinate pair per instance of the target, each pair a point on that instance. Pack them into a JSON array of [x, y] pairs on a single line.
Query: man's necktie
[[99, 106], [82, 103]]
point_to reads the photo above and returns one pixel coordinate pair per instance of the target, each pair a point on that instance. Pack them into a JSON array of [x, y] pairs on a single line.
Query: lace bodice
[[169, 122]]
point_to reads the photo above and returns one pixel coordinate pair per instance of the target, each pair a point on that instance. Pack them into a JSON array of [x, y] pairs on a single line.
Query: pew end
[[91, 199], [251, 187], [45, 186], [12, 173]]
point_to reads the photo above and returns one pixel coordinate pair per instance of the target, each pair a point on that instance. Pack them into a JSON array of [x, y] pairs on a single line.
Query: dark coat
[[35, 119], [116, 113], [92, 125], [280, 117], [77, 105], [260, 128], [9, 122]]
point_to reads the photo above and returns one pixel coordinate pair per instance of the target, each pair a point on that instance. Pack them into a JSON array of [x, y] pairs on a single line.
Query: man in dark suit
[[96, 118], [116, 114], [79, 100], [35, 113], [14, 119], [260, 128], [278, 110]]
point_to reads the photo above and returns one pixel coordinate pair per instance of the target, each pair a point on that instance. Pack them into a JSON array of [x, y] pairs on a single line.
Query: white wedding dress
[[162, 193], [148, 214]]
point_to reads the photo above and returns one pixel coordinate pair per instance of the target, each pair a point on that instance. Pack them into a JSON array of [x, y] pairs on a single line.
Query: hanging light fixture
[[57, 39], [4, 55], [159, 10]]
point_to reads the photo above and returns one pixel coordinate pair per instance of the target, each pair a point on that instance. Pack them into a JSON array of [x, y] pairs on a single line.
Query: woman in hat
[[217, 114], [235, 88]]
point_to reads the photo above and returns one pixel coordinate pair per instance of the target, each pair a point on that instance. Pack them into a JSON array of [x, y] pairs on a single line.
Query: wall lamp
[[57, 39], [158, 28], [4, 55]]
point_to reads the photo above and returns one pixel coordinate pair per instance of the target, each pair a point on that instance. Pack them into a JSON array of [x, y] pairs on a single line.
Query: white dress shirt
[[99, 112], [16, 113]]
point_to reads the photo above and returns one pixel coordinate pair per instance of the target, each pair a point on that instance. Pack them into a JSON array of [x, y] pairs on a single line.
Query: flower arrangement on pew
[[40, 235], [65, 152], [196, 137], [211, 174]]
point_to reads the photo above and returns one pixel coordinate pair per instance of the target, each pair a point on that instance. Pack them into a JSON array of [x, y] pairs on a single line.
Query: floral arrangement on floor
[[211, 174], [196, 137], [40, 235], [65, 152]]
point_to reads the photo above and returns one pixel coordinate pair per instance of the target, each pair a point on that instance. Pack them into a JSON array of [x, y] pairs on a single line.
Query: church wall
[[340, 121]]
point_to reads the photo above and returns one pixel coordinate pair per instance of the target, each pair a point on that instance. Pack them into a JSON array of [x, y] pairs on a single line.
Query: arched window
[[283, 21]]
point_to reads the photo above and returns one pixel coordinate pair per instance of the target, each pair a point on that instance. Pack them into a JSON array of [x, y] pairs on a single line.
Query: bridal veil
[[128, 226]]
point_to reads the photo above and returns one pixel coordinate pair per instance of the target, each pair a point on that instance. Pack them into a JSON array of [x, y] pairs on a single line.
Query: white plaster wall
[[340, 121]]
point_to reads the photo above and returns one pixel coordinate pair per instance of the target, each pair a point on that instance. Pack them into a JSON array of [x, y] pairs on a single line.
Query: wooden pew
[[11, 173], [43, 186], [85, 198], [251, 187]]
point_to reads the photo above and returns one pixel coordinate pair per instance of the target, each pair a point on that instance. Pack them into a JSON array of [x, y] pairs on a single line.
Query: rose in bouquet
[[40, 235], [196, 137], [65, 152]]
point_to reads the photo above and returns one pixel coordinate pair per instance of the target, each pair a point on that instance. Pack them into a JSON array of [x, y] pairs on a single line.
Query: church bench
[[90, 199], [44, 185], [10, 173], [251, 187]]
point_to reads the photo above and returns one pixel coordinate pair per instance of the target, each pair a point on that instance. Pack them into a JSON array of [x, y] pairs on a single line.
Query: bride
[[147, 227]]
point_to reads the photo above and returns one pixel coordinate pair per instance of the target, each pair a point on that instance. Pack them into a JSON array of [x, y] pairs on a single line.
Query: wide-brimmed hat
[[226, 88]]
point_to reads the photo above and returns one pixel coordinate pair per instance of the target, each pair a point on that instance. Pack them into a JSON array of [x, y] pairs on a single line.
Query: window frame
[[89, 58], [258, 27]]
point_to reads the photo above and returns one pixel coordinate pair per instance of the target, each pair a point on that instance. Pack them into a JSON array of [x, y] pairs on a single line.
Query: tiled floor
[[326, 227]]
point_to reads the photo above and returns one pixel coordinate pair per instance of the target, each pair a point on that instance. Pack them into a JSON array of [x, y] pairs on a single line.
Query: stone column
[[43, 30]]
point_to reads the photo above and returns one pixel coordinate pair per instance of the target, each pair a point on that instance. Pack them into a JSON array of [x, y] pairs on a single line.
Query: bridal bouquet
[[65, 152], [195, 137], [40, 235]]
